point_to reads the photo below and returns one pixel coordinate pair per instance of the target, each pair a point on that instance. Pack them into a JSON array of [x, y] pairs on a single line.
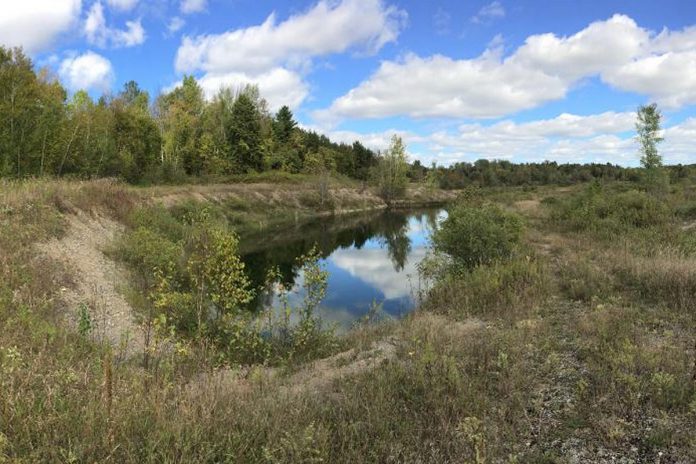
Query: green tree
[[45, 136], [31, 113], [364, 160], [136, 135], [648, 130], [283, 125], [244, 135], [133, 95], [216, 271], [216, 122], [391, 173], [180, 118]]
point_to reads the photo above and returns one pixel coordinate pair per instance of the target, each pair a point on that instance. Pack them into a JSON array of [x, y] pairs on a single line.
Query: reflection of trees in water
[[394, 235], [390, 228], [431, 217]]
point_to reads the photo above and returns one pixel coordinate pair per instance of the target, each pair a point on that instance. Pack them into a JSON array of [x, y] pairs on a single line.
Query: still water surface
[[370, 258]]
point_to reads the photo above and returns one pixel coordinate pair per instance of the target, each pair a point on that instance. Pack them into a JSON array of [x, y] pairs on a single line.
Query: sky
[[459, 80]]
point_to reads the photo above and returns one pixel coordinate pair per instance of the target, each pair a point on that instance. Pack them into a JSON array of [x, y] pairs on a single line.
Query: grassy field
[[578, 347]]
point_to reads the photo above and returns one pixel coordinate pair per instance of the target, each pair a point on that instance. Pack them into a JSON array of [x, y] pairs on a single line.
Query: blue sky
[[458, 80]]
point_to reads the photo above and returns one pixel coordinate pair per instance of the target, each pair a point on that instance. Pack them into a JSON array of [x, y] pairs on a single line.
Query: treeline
[[180, 134], [128, 135], [486, 173]]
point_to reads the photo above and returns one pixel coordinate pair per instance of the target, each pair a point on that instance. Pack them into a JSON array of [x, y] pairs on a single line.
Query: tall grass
[[584, 353]]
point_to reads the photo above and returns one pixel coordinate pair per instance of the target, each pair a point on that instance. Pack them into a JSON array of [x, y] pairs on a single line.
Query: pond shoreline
[[371, 258], [260, 207]]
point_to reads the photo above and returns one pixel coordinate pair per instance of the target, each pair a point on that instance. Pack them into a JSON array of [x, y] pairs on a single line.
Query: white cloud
[[601, 138], [87, 71], [175, 25], [567, 138], [275, 55], [278, 86], [122, 5], [439, 86], [329, 27], [545, 68], [494, 10], [100, 34], [599, 47], [669, 78], [568, 125], [678, 146], [192, 6], [133, 35], [35, 24]]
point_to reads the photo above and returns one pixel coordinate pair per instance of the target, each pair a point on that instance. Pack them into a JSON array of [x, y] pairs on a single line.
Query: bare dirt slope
[[97, 280], [295, 196]]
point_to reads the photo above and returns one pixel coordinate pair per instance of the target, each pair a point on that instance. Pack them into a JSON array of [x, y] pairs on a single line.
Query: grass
[[579, 348]]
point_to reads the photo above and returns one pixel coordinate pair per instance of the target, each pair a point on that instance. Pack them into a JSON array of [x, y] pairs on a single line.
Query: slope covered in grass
[[578, 346]]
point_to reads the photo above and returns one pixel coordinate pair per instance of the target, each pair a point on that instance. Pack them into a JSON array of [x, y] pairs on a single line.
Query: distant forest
[[180, 135], [485, 173]]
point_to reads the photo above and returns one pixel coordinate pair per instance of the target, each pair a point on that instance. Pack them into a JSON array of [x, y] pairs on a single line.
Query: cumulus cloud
[[192, 6], [669, 78], [89, 71], [35, 24], [598, 48], [274, 54], [440, 86], [100, 34], [487, 13], [545, 68], [278, 86], [567, 125], [567, 138], [122, 5], [678, 146], [601, 138], [328, 27]]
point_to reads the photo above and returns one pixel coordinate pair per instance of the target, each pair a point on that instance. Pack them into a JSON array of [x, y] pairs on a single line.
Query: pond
[[371, 259]]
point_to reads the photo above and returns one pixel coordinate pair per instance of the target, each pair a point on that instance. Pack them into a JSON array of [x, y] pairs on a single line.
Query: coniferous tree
[[244, 135], [283, 125]]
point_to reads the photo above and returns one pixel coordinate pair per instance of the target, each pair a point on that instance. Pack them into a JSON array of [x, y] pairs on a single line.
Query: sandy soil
[[97, 281]]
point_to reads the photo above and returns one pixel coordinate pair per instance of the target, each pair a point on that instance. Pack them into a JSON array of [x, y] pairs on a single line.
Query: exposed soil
[[97, 281]]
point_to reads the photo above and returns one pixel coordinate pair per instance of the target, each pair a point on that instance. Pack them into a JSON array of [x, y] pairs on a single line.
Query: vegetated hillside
[[565, 333]]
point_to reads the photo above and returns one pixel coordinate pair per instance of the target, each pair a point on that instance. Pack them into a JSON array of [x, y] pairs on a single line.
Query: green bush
[[146, 251], [687, 210], [599, 210], [157, 219], [639, 209], [475, 235]]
